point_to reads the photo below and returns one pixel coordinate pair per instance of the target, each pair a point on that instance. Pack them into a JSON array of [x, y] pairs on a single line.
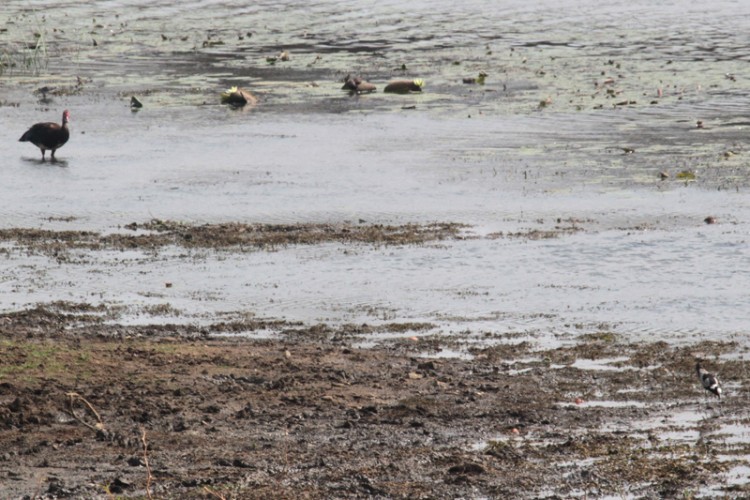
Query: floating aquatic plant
[[227, 94], [686, 175]]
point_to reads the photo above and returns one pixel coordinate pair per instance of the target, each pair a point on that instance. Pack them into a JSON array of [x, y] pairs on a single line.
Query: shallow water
[[643, 263]]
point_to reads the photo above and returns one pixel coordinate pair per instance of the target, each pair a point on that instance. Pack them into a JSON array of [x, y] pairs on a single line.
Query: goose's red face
[[66, 116]]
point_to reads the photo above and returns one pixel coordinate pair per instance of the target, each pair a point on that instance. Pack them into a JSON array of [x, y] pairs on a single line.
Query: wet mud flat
[[307, 415], [94, 406]]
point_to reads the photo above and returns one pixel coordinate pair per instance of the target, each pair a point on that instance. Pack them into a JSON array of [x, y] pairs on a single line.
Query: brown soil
[[310, 416]]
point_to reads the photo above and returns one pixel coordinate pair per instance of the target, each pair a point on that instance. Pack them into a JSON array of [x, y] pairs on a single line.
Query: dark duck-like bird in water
[[48, 135], [709, 380]]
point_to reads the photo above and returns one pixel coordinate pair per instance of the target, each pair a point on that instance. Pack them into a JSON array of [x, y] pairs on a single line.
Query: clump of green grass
[[32, 359]]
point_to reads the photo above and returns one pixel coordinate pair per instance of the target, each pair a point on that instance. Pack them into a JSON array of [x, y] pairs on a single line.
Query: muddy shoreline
[[308, 413]]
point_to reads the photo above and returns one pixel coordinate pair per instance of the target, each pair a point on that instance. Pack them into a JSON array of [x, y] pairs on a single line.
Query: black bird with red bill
[[48, 135]]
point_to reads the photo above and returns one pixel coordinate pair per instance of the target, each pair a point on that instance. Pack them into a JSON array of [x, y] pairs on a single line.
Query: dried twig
[[39, 487], [213, 493], [149, 477], [110, 496], [72, 397]]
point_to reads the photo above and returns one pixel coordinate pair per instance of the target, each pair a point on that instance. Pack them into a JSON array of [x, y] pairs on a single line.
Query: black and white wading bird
[[709, 380]]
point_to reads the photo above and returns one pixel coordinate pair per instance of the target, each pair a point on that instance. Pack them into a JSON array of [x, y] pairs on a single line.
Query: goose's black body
[[48, 135]]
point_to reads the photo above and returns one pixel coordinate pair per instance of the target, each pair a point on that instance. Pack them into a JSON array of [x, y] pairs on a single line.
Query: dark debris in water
[[538, 234], [158, 233], [273, 235]]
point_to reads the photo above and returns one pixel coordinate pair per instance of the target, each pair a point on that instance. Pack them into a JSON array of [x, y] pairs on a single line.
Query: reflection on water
[[583, 108]]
